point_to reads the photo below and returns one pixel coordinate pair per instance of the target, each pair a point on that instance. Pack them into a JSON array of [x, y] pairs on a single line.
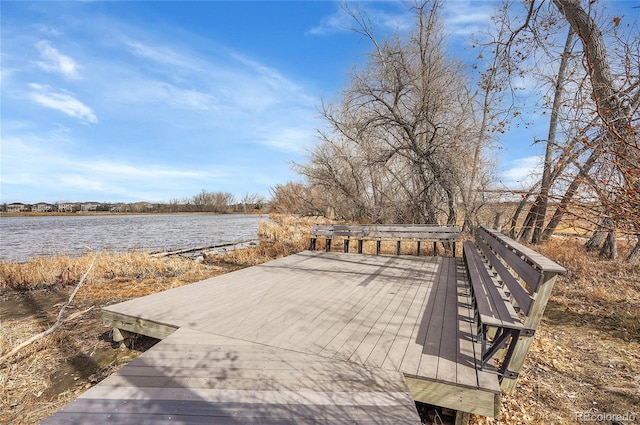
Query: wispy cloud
[[54, 61], [288, 139], [63, 102], [523, 173], [160, 54], [340, 20], [465, 18], [177, 114]]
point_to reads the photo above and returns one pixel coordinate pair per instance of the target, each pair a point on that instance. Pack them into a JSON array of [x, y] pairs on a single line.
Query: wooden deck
[[313, 337]]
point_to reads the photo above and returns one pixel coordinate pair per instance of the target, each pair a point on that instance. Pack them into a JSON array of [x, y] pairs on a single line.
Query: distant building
[[141, 206], [67, 207], [42, 207], [17, 207], [119, 207], [89, 206]]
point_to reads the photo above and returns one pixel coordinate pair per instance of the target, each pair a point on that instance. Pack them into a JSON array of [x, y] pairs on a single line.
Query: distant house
[[67, 207], [89, 206], [120, 207], [42, 207], [17, 207], [141, 206]]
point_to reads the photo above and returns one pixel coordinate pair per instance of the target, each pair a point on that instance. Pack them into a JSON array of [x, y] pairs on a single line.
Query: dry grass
[[279, 236], [586, 354]]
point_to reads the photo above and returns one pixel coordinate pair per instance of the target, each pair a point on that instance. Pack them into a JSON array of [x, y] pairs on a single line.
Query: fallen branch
[[59, 321], [200, 248]]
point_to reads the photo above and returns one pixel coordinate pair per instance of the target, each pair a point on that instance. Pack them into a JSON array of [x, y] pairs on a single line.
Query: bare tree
[[617, 107], [393, 149]]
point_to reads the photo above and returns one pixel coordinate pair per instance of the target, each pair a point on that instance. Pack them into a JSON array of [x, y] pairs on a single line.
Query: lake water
[[22, 238]]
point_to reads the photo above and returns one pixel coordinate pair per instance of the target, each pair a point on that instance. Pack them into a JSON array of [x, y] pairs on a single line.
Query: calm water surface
[[22, 238]]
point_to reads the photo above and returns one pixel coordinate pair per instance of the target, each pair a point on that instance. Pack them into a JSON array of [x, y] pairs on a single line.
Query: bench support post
[[398, 248], [378, 247], [328, 247], [435, 248], [521, 348], [462, 418], [360, 243], [418, 250], [346, 245]]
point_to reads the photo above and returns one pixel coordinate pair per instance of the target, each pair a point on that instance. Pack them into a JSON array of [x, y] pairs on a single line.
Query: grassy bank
[[586, 354]]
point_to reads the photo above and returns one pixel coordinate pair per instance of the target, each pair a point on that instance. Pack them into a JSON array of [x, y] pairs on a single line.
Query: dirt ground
[[584, 366]]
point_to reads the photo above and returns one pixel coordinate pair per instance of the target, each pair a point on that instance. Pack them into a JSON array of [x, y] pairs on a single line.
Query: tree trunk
[[634, 255], [597, 239], [612, 106], [610, 248], [518, 211], [568, 196], [541, 204]]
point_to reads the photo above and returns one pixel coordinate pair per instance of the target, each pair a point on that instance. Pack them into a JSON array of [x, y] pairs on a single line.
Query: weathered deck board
[[198, 377], [312, 329]]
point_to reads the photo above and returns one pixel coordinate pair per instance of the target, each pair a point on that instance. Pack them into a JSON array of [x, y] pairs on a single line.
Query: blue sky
[[157, 100]]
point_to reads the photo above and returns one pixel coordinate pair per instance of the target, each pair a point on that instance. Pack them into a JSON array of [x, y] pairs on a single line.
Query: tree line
[[204, 201], [411, 136]]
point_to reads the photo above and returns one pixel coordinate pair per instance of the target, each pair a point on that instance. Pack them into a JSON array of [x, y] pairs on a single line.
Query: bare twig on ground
[[59, 321]]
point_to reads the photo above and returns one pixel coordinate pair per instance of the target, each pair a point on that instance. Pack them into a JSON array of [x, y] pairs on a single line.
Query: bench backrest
[[447, 235], [527, 277], [387, 231]]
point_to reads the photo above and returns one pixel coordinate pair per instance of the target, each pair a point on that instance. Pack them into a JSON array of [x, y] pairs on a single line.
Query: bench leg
[[418, 250], [313, 244], [360, 242], [328, 248], [398, 248], [346, 245], [462, 418], [435, 249], [378, 247]]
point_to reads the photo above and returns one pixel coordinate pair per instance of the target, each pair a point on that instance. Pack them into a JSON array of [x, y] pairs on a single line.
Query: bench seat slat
[[493, 305]]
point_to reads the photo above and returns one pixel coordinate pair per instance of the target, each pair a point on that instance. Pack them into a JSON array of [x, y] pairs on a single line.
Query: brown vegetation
[[586, 353]]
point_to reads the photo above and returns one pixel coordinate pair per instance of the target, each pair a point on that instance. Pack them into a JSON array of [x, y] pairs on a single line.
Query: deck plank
[[347, 332]]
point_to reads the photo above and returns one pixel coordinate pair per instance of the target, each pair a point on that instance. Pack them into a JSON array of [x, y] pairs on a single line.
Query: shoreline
[[109, 213]]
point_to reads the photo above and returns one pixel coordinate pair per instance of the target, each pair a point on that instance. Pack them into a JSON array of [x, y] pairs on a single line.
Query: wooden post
[[360, 243], [531, 322], [398, 248], [328, 248], [418, 250], [462, 418], [378, 247], [346, 245], [435, 248]]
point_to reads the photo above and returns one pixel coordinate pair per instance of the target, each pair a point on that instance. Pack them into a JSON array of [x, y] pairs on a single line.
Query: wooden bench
[[510, 285], [415, 233]]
